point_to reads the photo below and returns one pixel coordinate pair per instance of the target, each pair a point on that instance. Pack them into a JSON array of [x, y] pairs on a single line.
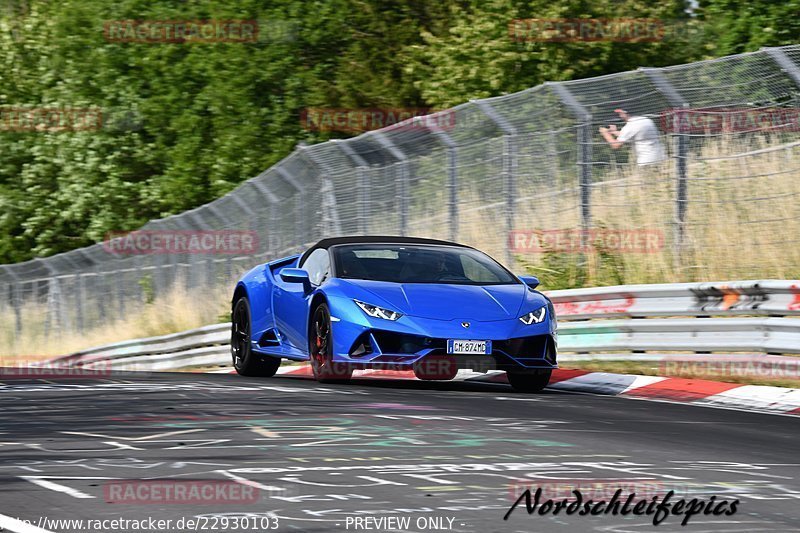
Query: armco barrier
[[737, 317], [759, 335], [723, 298], [204, 346]]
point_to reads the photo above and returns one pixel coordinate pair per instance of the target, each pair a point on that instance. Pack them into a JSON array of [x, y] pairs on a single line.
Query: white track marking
[[249, 482], [18, 526], [43, 482], [147, 437]]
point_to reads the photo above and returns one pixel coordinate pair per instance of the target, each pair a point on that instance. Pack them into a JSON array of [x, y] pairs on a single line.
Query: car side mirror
[[530, 281], [296, 275]]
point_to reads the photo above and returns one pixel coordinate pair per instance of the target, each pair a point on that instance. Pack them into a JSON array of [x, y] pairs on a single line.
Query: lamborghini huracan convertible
[[399, 303]]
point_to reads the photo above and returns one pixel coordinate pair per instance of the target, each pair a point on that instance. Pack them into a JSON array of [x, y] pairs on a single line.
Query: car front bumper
[[376, 343]]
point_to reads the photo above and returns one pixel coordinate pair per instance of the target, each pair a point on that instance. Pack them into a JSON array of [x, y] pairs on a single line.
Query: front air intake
[[362, 346]]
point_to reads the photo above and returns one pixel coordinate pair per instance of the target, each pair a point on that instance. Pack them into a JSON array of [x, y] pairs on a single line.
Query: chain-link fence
[[515, 176]]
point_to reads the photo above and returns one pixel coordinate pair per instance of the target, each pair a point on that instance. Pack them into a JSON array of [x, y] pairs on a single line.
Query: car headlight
[[378, 312], [534, 317]]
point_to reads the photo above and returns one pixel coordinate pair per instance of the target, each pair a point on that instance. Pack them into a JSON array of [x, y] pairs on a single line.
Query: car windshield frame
[[454, 251]]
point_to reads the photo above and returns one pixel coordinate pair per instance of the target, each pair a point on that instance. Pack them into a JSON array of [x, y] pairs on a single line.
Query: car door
[[291, 300]]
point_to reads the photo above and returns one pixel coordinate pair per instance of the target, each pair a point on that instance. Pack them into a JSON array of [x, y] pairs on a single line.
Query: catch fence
[[518, 176]]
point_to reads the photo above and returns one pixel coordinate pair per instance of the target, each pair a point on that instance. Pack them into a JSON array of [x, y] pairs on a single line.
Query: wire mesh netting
[[518, 176]]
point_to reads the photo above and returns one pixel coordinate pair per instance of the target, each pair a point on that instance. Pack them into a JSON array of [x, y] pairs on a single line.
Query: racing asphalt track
[[321, 456]]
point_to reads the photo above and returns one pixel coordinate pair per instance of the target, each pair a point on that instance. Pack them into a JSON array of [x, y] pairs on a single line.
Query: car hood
[[448, 301]]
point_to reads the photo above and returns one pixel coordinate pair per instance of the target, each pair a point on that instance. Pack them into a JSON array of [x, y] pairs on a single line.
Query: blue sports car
[[395, 303]]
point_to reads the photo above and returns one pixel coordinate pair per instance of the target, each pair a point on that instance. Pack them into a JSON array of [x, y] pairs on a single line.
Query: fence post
[[452, 176], [680, 146], [192, 279], [452, 185], [116, 298], [53, 298], [403, 193], [251, 219], [211, 262], [510, 184], [785, 63], [16, 300], [327, 189], [54, 318], [78, 294], [682, 190], [302, 223], [584, 154], [405, 171], [508, 174], [265, 193], [160, 277], [361, 167], [276, 239], [242, 205], [141, 273], [118, 275]]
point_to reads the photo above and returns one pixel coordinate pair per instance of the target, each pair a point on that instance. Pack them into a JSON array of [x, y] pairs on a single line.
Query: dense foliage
[[185, 123]]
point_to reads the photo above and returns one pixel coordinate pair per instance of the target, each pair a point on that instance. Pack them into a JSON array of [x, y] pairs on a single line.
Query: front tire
[[529, 382], [245, 361], [320, 349]]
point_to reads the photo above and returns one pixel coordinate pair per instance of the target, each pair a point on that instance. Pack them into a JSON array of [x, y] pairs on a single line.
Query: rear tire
[[245, 361], [320, 349], [528, 382]]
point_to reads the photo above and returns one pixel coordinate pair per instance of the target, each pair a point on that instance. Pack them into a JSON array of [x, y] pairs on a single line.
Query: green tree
[[186, 123], [735, 26], [477, 57], [183, 124]]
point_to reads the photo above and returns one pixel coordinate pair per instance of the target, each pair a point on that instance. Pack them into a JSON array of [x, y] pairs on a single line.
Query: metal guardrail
[[206, 346], [760, 335], [723, 298], [738, 316]]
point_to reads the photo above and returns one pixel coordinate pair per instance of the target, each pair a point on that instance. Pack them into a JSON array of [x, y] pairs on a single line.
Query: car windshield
[[404, 263]]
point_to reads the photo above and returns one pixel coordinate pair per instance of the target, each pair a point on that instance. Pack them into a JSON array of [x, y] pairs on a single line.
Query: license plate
[[456, 346]]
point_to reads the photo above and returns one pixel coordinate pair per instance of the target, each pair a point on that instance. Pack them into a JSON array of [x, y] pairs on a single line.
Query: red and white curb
[[777, 400]]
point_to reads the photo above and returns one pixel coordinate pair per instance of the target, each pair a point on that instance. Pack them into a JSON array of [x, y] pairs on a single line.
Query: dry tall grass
[[742, 220], [177, 310]]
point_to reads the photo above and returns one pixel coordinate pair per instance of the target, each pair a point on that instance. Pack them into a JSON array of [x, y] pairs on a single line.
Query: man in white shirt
[[642, 132]]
